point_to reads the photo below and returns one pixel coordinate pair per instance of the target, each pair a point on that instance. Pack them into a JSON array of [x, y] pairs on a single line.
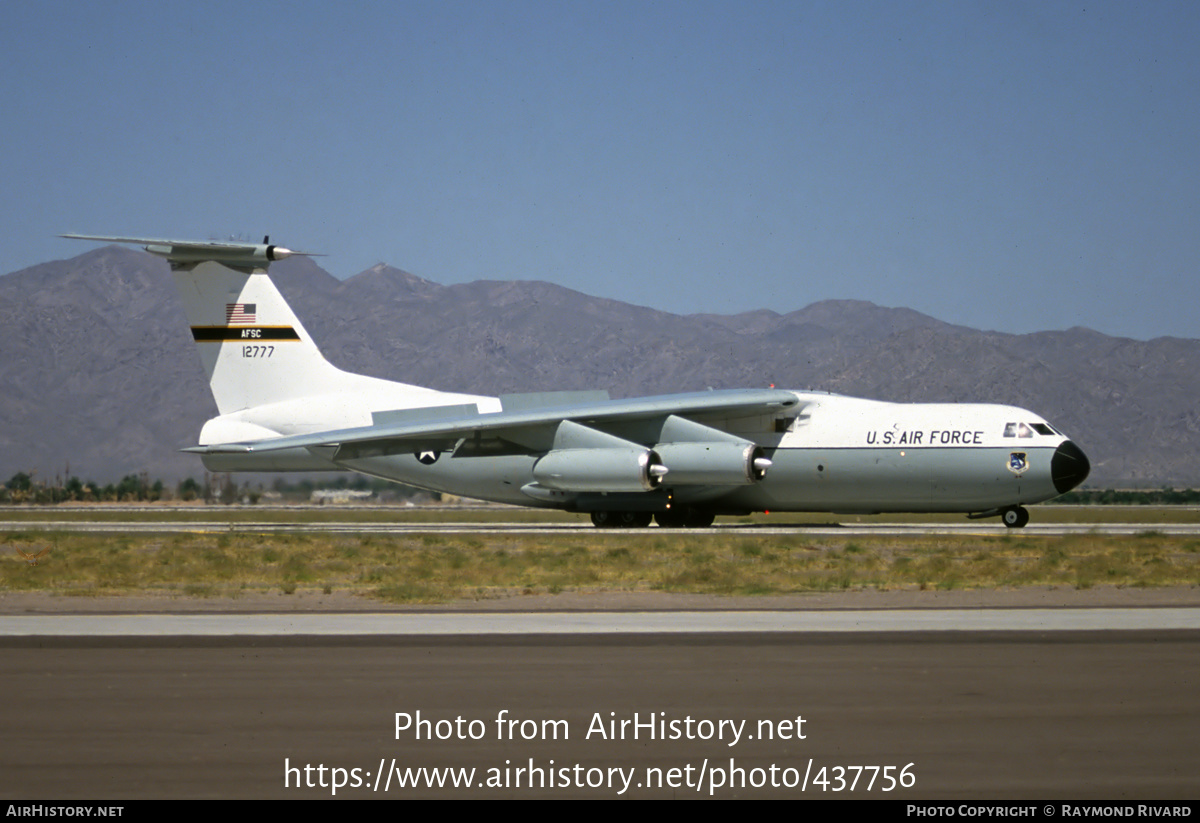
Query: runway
[[960, 714], [595, 623], [958, 703], [897, 703], [983, 529]]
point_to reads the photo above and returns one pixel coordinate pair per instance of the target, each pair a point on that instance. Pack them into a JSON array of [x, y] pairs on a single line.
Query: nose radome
[[1069, 467]]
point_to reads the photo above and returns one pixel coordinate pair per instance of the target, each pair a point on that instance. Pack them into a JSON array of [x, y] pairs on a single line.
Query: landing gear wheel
[[604, 520], [633, 520], [699, 519], [621, 520], [1016, 517]]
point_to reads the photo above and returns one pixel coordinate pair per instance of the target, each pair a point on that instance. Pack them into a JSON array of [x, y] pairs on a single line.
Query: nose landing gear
[[1015, 517]]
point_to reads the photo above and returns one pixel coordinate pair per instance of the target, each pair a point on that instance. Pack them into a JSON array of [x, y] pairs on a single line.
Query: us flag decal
[[237, 313]]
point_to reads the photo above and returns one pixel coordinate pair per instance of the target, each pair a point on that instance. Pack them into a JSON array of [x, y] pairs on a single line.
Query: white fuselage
[[839, 454]]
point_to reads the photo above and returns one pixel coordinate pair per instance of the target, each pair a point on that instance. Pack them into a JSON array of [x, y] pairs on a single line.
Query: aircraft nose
[[1069, 467]]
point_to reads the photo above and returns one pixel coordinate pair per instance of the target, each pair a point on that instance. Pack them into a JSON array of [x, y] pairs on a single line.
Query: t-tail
[[267, 375]]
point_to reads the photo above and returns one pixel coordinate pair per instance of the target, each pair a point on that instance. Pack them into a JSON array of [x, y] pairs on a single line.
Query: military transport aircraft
[[678, 459]]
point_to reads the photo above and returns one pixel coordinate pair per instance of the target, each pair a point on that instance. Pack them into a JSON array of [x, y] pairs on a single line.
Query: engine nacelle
[[600, 470], [713, 463]]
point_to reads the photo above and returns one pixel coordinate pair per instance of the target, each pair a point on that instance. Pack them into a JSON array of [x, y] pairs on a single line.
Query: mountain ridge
[[102, 376]]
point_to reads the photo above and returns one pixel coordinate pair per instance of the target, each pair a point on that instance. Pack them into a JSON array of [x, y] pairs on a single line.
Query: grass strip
[[435, 568]]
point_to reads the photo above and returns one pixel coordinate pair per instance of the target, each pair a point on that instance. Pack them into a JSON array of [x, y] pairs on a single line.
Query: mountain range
[[100, 379]]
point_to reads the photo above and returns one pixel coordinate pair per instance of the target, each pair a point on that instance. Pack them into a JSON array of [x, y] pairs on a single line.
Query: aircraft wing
[[427, 428]]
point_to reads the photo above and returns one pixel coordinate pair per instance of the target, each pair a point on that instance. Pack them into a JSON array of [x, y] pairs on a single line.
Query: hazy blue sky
[[1012, 166]]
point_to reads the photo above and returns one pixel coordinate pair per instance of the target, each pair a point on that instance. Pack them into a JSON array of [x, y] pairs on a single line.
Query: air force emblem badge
[[1018, 463]]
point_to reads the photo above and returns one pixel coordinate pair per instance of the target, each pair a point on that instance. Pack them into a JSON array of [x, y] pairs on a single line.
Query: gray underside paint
[[838, 480]]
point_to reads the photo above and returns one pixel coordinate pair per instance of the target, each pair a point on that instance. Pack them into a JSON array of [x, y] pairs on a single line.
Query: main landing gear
[[621, 520], [674, 518]]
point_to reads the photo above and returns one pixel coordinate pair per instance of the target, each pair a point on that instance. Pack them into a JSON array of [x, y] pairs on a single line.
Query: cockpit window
[[1025, 429]]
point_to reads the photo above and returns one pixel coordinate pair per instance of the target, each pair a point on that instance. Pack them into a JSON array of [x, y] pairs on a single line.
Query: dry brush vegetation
[[437, 567]]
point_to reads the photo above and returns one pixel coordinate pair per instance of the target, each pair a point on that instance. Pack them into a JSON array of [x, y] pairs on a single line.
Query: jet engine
[[600, 470], [714, 463]]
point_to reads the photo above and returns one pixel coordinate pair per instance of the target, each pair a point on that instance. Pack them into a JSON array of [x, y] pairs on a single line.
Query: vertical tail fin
[[254, 349]]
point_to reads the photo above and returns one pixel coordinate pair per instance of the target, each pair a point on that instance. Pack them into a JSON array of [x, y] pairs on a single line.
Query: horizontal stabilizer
[[182, 252]]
